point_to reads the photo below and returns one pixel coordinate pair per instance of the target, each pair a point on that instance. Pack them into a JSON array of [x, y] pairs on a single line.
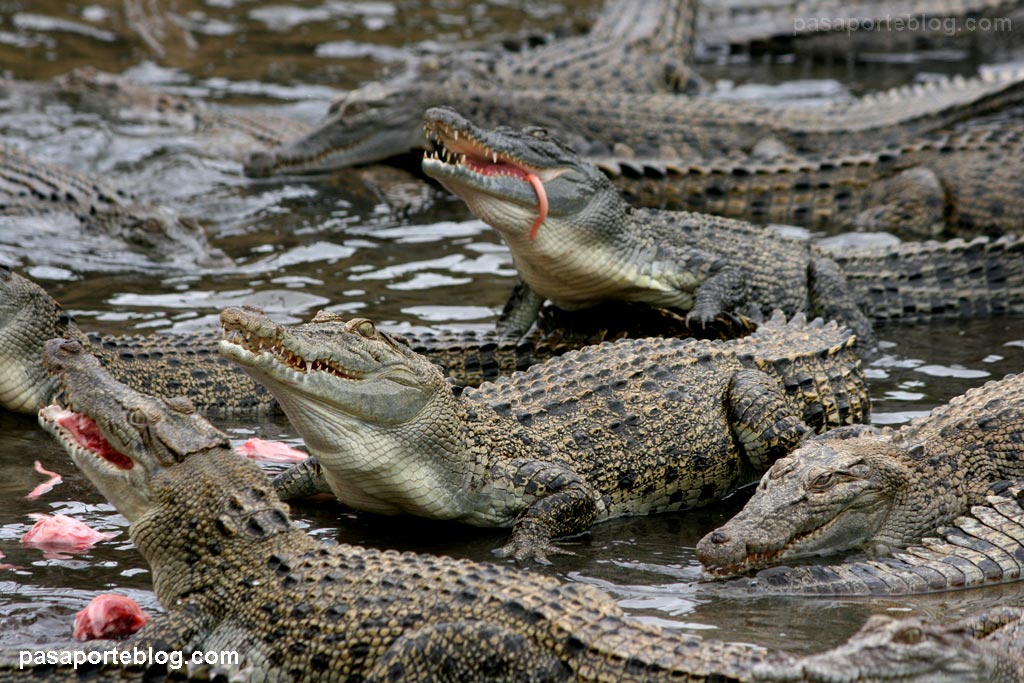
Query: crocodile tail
[[927, 281], [937, 104], [664, 25]]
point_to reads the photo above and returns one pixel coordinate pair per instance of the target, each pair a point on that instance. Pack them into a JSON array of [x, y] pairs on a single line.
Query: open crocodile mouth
[[461, 149], [256, 345], [82, 431]]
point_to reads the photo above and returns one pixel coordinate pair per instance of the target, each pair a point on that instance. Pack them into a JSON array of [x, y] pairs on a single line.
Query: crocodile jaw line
[[111, 471], [473, 157]]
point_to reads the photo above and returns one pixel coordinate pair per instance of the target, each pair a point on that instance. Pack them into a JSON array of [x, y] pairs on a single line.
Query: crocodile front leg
[[464, 652], [520, 311], [304, 480], [832, 298], [556, 502], [724, 292]]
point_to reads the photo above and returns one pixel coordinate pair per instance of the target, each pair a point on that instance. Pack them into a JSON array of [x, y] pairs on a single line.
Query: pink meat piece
[[60, 532], [6, 566], [270, 451], [53, 480], [109, 616]]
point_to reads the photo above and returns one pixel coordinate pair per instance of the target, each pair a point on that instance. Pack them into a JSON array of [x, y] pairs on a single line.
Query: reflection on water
[[345, 243]]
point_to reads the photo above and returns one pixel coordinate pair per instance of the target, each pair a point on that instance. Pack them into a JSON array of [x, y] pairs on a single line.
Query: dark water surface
[[301, 244]]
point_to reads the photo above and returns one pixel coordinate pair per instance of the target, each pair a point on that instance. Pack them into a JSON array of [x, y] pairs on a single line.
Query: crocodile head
[[370, 124], [28, 317], [374, 412], [126, 101], [160, 232], [830, 495], [905, 651], [120, 439], [515, 180]]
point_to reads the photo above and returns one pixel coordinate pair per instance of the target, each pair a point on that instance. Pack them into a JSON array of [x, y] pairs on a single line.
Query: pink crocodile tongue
[[542, 200]]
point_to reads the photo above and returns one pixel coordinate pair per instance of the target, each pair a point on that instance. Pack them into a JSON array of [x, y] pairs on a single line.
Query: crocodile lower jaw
[[755, 560], [79, 433], [760, 559]]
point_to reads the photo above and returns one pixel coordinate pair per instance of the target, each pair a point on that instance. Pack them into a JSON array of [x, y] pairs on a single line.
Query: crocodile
[[979, 648], [164, 364], [188, 363], [33, 188], [575, 241], [982, 548], [948, 183], [877, 489], [589, 436], [228, 134], [233, 572], [382, 121]]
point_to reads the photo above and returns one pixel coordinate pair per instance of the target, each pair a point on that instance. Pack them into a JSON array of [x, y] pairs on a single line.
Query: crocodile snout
[[260, 164], [721, 549]]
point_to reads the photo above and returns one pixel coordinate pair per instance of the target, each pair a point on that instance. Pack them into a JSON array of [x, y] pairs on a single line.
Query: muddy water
[[301, 244]]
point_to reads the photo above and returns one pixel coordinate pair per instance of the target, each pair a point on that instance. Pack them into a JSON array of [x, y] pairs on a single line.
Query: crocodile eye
[[539, 133], [137, 417], [181, 404], [366, 328], [823, 481], [911, 635]]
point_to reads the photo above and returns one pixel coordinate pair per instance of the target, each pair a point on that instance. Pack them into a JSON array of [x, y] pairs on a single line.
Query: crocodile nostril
[[72, 347], [720, 537]]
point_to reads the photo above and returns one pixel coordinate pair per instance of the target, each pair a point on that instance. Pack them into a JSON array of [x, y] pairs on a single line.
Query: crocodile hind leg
[[465, 652], [911, 204], [762, 421], [304, 480], [832, 299]]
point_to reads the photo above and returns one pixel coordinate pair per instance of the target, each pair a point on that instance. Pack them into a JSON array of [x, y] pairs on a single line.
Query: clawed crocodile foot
[[531, 549], [700, 318]]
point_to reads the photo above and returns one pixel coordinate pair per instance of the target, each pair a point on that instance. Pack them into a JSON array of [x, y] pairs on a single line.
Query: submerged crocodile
[[983, 548], [231, 568], [575, 241], [187, 363], [377, 123], [880, 490], [630, 427], [234, 572], [230, 134], [953, 183], [31, 187]]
